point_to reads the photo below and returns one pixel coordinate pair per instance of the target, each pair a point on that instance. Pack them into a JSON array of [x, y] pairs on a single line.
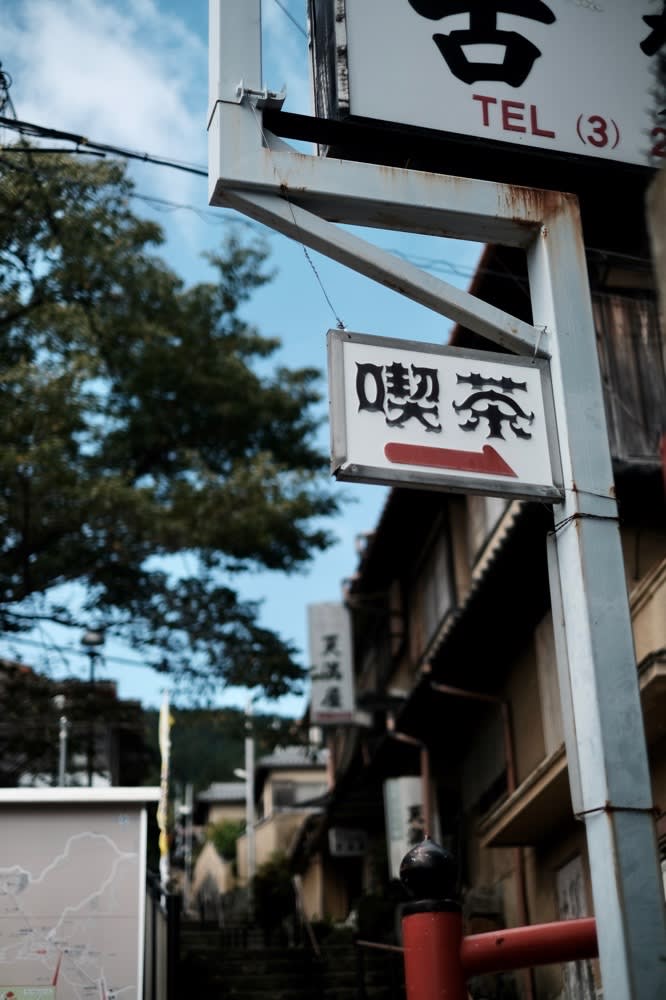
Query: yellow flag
[[164, 738]]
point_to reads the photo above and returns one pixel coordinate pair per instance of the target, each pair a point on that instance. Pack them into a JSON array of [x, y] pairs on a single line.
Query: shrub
[[223, 837]]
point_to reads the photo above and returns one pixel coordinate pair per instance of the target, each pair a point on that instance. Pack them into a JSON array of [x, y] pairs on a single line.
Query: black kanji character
[[397, 380], [332, 698], [520, 54], [427, 384], [330, 672], [415, 825], [478, 381], [500, 408], [427, 390], [330, 643], [388, 390], [412, 409], [657, 37], [373, 373]]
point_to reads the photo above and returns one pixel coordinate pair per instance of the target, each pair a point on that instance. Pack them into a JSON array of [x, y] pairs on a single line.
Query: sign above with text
[[412, 414], [331, 670], [572, 76]]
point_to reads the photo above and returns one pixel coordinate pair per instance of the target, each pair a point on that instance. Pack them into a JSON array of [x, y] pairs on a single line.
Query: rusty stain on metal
[[531, 205]]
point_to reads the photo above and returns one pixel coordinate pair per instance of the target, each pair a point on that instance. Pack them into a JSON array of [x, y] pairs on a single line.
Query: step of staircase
[[211, 965]]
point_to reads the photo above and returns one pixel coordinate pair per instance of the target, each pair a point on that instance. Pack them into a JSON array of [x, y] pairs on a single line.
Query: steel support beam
[[605, 738], [385, 268], [302, 196]]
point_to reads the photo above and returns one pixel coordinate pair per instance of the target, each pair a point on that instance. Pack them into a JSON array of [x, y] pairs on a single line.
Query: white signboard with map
[[72, 893]]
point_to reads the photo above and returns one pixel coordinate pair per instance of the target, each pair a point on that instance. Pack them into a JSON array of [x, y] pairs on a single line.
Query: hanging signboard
[[562, 76], [466, 421], [344, 842], [331, 676], [404, 821]]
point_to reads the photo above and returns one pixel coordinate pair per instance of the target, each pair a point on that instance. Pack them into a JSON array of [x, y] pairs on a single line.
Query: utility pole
[[188, 810], [92, 640], [59, 702], [249, 799]]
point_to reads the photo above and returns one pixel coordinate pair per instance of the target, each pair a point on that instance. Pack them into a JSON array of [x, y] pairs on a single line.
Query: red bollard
[[438, 959], [432, 926], [433, 970]]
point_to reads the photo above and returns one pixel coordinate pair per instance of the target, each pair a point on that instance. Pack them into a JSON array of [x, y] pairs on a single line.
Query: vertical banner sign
[[332, 691], [164, 734], [404, 819]]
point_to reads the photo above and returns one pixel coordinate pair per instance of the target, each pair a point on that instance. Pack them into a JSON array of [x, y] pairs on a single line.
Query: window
[[290, 794], [436, 586]]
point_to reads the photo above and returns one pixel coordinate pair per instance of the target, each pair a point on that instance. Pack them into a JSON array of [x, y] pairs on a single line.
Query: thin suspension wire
[[308, 257], [291, 17]]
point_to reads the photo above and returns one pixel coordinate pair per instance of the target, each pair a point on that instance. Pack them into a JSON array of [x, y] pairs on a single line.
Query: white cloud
[[124, 73]]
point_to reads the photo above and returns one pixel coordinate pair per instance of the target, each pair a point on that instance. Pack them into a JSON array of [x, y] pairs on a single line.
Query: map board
[[72, 893], [412, 414]]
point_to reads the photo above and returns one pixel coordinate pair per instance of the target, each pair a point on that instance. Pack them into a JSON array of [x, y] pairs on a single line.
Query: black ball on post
[[429, 871]]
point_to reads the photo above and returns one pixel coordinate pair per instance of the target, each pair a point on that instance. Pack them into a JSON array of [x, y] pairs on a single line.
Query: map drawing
[[70, 904]]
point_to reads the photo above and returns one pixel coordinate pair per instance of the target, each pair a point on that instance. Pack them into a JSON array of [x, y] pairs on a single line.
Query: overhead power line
[[33, 131], [50, 646], [291, 17]]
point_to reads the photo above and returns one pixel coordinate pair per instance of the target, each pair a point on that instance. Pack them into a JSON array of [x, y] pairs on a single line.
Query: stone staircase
[[232, 964]]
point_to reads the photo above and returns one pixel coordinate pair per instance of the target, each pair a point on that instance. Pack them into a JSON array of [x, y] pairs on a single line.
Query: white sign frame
[[586, 112], [349, 429], [90, 813]]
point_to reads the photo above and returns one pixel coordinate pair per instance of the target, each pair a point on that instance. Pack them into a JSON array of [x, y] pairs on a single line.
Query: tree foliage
[[223, 837], [96, 722], [207, 745], [135, 428]]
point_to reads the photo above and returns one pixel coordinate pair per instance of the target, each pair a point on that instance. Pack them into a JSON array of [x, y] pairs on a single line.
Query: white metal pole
[[189, 816], [249, 798], [62, 757], [611, 790]]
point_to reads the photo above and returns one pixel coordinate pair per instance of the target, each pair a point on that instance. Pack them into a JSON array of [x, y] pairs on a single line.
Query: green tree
[[273, 894], [224, 835], [111, 731], [135, 427]]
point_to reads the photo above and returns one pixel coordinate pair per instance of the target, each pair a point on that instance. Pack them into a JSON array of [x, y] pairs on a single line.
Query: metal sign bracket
[[303, 196]]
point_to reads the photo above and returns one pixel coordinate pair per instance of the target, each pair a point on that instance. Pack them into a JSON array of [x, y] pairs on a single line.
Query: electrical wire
[[33, 131], [88, 146], [63, 651], [291, 17]]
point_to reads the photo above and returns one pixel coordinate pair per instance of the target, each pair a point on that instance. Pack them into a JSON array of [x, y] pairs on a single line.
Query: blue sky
[[134, 73]]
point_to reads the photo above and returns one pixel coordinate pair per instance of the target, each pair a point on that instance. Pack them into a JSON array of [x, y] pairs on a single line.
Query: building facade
[[455, 657]]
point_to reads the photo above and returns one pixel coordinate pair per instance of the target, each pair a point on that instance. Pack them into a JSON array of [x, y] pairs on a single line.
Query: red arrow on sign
[[487, 460]]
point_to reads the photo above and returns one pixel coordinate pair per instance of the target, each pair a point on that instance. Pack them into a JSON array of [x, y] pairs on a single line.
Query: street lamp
[[92, 639], [60, 703]]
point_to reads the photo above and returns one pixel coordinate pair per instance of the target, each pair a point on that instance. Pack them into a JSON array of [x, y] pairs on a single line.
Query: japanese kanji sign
[[419, 415], [331, 677], [575, 76]]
